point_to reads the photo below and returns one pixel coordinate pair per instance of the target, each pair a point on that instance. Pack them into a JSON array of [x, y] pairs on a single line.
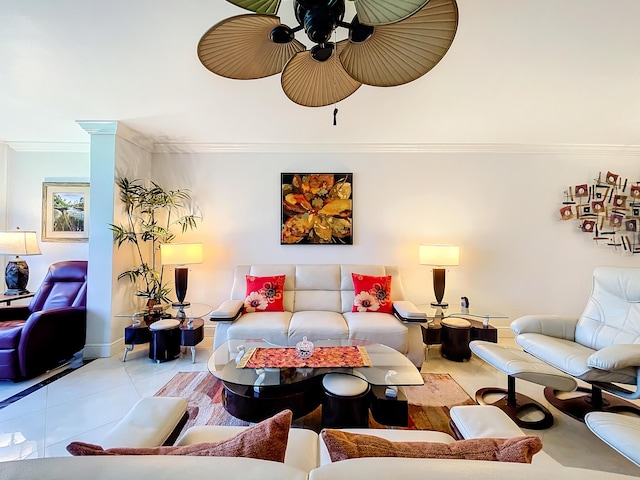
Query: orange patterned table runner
[[287, 357]]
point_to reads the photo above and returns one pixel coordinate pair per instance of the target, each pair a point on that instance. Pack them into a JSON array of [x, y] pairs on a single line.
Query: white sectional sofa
[[318, 301], [306, 458]]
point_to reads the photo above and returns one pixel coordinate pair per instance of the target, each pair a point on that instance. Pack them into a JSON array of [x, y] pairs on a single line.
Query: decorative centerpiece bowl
[[304, 348]]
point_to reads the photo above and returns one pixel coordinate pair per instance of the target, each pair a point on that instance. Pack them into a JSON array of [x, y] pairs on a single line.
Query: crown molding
[[50, 147], [182, 148], [495, 148], [112, 127]]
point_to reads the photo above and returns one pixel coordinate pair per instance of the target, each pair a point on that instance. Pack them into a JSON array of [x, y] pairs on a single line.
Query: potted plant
[[150, 214]]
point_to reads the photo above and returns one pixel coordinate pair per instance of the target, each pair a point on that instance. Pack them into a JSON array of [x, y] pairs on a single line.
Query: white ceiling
[[519, 71]]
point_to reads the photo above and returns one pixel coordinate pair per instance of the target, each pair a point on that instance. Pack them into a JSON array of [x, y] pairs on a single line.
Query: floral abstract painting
[[317, 208]]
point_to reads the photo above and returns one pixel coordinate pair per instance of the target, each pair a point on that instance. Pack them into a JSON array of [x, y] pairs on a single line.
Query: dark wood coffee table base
[[301, 398]]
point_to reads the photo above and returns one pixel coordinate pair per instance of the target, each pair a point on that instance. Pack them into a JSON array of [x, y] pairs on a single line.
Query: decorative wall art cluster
[[317, 208], [608, 209]]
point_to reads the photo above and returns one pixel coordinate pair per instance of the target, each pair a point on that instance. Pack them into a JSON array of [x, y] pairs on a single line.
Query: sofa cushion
[[264, 294], [344, 445], [377, 327], [272, 327], [372, 294], [317, 325], [266, 440]]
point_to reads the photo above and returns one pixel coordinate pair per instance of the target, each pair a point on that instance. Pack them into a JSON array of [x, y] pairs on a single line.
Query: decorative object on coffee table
[[304, 348], [440, 256], [18, 242]]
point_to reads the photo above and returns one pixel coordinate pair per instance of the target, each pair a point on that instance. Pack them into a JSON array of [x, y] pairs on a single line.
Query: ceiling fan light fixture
[[319, 19], [390, 43], [322, 53], [359, 32], [282, 34]]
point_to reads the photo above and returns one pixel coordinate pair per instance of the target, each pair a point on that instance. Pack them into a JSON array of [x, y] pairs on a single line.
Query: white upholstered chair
[[601, 347]]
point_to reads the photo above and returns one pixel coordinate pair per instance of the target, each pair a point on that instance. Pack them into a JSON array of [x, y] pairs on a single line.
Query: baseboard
[[505, 332]]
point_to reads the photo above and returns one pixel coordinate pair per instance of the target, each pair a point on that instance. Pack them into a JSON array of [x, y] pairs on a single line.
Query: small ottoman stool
[[456, 334], [165, 340], [518, 364], [346, 401]]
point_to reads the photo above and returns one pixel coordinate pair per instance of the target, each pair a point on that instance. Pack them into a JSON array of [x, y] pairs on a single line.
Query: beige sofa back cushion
[[316, 287]]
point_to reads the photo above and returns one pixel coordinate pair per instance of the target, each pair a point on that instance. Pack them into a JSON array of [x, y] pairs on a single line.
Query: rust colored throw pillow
[[372, 294], [266, 440], [264, 294], [343, 445]]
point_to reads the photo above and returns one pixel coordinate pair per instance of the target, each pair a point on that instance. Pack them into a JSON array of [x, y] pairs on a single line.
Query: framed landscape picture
[[317, 208], [65, 212]]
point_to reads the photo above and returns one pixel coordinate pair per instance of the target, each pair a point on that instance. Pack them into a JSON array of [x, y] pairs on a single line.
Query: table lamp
[[440, 256], [181, 254], [18, 242]]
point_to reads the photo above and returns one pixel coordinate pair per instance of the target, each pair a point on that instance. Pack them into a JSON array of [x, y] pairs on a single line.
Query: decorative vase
[[304, 348]]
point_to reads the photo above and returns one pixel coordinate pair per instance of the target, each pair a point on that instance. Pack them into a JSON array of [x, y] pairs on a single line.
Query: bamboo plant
[[151, 212]]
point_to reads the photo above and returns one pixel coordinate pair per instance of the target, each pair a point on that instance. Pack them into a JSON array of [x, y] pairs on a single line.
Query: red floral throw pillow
[[372, 294], [264, 294]]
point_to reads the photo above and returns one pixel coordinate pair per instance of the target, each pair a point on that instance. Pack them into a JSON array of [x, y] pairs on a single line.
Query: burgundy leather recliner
[[51, 329]]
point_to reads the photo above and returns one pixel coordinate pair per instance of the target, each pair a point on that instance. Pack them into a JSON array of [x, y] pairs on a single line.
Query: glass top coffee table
[[253, 394]]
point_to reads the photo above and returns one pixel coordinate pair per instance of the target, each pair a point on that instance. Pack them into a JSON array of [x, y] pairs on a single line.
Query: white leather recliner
[[602, 347]]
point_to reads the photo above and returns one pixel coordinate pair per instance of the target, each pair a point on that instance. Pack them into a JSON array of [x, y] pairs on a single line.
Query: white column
[[115, 150]]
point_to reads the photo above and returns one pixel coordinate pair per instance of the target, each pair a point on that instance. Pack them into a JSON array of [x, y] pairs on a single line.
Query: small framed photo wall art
[[65, 212], [317, 208]]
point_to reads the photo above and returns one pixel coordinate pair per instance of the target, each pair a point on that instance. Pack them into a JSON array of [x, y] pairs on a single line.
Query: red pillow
[[264, 294], [372, 294]]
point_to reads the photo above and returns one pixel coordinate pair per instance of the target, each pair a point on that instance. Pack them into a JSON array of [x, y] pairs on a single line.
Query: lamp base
[[439, 304], [16, 291], [180, 315], [16, 276]]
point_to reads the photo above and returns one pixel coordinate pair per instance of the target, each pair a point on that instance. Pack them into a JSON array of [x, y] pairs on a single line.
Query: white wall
[[517, 256], [25, 173]]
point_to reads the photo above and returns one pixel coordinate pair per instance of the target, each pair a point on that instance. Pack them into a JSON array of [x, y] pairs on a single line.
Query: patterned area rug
[[429, 404]]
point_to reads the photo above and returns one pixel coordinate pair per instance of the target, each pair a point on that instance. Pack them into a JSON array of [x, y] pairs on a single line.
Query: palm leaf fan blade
[[258, 6], [402, 52], [240, 48], [384, 12], [311, 83]]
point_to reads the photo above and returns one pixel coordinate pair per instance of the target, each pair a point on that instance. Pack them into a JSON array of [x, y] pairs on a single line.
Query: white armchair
[[601, 347]]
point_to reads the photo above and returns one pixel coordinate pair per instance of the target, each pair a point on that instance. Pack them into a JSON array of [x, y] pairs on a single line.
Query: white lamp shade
[[180, 253], [439, 255], [19, 242]]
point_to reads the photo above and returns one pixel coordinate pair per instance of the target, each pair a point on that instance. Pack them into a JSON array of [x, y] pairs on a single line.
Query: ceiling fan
[[389, 43]]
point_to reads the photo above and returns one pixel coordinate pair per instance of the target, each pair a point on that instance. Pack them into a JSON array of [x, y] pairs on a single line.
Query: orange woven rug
[[287, 357], [429, 404]]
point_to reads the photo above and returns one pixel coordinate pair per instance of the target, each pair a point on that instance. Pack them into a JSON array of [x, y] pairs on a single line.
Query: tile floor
[[86, 403]]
